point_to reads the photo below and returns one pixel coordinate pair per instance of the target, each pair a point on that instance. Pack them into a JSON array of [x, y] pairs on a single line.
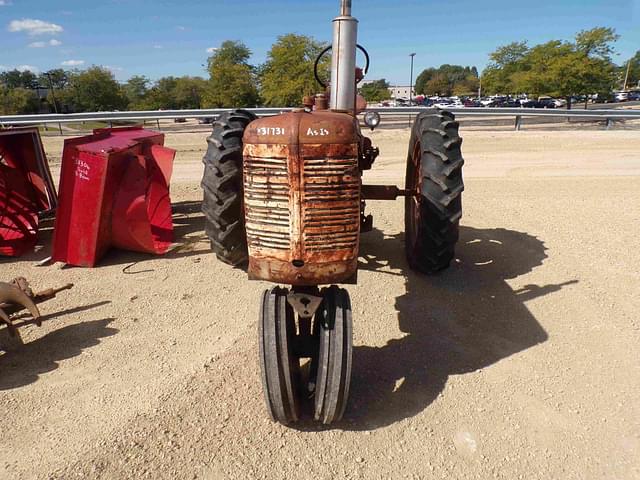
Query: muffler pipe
[[343, 59], [345, 8]]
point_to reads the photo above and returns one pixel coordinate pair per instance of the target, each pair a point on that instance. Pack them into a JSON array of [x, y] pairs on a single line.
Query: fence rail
[[518, 113]]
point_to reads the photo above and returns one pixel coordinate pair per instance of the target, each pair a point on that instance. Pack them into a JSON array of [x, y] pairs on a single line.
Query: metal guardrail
[[609, 115]]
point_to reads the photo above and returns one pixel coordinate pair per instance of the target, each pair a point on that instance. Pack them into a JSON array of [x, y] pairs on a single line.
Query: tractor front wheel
[[434, 176], [279, 366], [334, 327]]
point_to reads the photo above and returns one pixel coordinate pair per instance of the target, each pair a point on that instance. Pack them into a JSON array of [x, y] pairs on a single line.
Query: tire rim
[[415, 186]]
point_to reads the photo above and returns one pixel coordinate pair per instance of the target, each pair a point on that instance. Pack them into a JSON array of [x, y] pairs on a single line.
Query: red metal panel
[[25, 189], [114, 191], [18, 213]]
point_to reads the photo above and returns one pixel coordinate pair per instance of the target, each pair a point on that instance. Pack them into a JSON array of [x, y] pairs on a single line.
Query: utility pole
[[411, 80], [53, 96], [479, 87], [626, 76]]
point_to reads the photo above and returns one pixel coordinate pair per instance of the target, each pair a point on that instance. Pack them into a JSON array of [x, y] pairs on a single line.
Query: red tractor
[[285, 193]]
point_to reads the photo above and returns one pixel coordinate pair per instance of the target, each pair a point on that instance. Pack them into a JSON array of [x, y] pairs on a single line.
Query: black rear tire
[[434, 172], [223, 188]]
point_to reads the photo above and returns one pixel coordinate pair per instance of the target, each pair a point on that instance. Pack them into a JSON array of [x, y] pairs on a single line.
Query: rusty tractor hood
[[302, 197]]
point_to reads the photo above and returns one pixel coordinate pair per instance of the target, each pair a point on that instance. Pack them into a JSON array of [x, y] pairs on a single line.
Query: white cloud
[[158, 47], [212, 49], [5, 3], [51, 43], [34, 27], [113, 68], [182, 28], [72, 63], [24, 68]]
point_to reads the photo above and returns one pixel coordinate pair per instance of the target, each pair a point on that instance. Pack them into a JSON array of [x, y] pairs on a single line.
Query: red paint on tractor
[[114, 191]]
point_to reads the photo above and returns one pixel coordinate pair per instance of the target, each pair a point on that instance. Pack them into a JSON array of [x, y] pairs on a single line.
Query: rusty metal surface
[[302, 197], [18, 295]]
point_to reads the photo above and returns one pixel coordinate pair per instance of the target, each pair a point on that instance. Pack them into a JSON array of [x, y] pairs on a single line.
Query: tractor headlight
[[372, 119]]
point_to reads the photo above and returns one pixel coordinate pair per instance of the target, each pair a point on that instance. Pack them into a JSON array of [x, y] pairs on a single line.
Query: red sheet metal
[[114, 192], [26, 188]]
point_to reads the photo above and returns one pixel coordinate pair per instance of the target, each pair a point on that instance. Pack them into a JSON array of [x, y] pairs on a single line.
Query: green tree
[[19, 79], [59, 78], [505, 62], [176, 93], [93, 90], [634, 70], [446, 80], [136, 90], [189, 92], [233, 81], [554, 68], [16, 101], [468, 86], [597, 42], [438, 85], [287, 75], [422, 80], [376, 91], [162, 95]]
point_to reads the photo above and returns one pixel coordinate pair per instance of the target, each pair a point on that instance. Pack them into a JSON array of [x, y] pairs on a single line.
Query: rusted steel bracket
[[17, 296], [304, 305], [383, 192]]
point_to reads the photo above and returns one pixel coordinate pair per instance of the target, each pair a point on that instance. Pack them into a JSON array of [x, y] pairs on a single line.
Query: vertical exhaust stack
[[343, 60]]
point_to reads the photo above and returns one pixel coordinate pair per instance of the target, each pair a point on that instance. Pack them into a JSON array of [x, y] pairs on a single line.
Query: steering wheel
[[322, 54]]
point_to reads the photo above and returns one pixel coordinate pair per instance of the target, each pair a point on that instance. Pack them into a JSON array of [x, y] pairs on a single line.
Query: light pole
[[411, 80], [53, 94], [626, 76]]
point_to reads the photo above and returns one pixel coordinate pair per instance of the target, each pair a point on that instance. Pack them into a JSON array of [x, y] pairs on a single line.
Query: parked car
[[546, 103], [510, 104], [634, 96], [205, 120], [472, 103], [550, 102], [621, 96], [179, 120]]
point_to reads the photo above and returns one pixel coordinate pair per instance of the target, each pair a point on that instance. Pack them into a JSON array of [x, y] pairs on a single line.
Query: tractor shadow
[[461, 320], [24, 364]]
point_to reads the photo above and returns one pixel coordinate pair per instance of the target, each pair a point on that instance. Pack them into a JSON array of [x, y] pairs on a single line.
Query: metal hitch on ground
[[15, 297], [285, 193]]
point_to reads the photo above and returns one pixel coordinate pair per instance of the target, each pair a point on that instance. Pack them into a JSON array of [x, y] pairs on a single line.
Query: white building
[[399, 91]]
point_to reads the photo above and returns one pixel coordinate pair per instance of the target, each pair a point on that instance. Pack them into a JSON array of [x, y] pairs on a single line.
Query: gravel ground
[[520, 361]]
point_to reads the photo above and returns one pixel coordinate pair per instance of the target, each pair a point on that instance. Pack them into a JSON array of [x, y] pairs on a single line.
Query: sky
[[160, 38]]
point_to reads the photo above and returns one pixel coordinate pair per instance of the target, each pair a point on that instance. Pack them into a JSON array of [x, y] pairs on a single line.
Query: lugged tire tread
[[441, 192], [223, 188]]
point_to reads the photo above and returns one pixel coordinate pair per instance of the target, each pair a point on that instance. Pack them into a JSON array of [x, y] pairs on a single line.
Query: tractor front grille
[[266, 194], [330, 203], [303, 205]]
